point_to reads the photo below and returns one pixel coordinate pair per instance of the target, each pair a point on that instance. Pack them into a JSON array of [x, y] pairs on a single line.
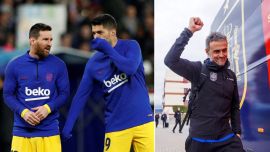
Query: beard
[[41, 52]]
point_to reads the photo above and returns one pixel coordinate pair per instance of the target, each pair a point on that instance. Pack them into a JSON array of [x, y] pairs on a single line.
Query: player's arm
[[235, 111], [63, 89], [10, 97], [128, 63], [78, 102], [181, 66]]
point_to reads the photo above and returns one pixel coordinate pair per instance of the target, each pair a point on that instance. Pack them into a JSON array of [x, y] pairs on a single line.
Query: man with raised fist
[[214, 100]]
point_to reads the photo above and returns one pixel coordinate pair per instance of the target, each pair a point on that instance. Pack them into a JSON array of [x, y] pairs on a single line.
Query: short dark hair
[[35, 29], [106, 20], [214, 36]]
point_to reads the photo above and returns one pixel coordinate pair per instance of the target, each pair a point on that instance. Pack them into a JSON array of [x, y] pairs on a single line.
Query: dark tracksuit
[[177, 116], [157, 119], [216, 114], [164, 119]]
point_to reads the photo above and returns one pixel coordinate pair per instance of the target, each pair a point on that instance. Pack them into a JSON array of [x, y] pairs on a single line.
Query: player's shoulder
[[95, 56], [127, 41], [56, 60], [15, 63], [17, 60]]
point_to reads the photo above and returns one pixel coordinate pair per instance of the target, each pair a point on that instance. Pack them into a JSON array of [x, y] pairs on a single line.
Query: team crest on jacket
[[23, 77], [49, 77], [213, 76]]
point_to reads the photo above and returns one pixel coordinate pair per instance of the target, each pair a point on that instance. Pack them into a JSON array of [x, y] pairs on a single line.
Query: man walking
[[164, 120], [177, 116], [157, 119]]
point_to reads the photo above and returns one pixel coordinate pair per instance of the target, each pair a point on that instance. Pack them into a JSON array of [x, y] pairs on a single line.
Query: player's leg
[[143, 140], [49, 144], [119, 141], [21, 144]]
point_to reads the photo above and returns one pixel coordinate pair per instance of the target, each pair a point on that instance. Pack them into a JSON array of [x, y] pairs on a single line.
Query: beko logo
[[37, 92], [116, 79], [42, 93]]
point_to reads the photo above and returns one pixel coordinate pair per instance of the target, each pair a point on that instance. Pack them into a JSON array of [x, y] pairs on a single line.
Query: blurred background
[[70, 21]]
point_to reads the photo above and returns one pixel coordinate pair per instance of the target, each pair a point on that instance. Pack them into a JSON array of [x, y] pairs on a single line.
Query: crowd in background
[[135, 21]]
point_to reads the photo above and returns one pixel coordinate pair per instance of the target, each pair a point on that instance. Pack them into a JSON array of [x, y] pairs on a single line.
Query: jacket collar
[[30, 58], [215, 67]]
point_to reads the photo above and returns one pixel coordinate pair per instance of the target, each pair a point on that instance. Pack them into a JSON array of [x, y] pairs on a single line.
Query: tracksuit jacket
[[216, 113], [30, 83], [119, 75]]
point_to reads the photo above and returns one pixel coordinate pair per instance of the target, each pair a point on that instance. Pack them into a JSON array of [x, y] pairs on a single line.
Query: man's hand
[[31, 118], [41, 112], [101, 45], [65, 136], [195, 24], [238, 135]]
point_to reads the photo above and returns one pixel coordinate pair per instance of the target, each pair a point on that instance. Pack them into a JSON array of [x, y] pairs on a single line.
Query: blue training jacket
[[119, 74], [30, 83]]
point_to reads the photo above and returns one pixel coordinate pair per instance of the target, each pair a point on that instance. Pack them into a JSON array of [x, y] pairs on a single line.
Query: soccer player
[[117, 70], [36, 85]]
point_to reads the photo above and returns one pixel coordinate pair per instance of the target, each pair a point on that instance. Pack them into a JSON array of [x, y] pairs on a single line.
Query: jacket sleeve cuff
[[189, 33], [23, 112], [48, 108]]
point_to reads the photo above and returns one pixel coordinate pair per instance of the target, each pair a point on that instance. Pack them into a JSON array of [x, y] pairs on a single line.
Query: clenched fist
[[195, 24]]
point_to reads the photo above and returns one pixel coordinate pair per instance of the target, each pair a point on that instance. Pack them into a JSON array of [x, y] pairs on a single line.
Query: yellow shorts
[[36, 144], [141, 137]]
